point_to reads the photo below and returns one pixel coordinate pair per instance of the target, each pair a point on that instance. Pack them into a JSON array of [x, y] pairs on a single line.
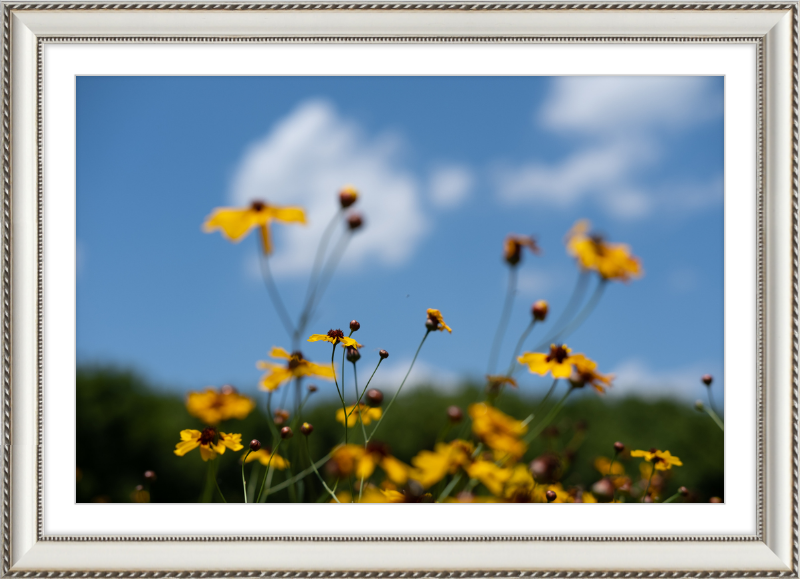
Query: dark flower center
[[207, 436], [599, 243], [379, 448], [295, 360], [557, 353], [336, 335], [258, 205]]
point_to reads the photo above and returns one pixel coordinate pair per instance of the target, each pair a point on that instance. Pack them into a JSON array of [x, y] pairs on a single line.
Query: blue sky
[[446, 167]]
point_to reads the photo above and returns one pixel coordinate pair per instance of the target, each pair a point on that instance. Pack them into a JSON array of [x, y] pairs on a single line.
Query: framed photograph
[[343, 288]]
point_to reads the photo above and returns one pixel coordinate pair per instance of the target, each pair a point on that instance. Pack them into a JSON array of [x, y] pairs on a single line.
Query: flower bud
[[431, 324], [455, 414], [306, 428], [227, 389], [281, 416], [355, 221], [150, 476], [618, 447], [648, 499], [383, 354], [683, 491], [355, 326], [715, 500], [699, 406], [539, 310], [312, 388], [138, 488], [707, 379], [551, 496], [347, 196], [352, 354], [603, 488], [546, 468], [255, 445], [374, 397], [286, 432]]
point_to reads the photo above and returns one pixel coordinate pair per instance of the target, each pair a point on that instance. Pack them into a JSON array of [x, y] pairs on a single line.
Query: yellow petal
[[395, 470], [563, 370], [318, 337], [287, 214], [365, 467], [277, 352], [207, 453], [189, 434], [273, 380], [234, 223], [183, 447]]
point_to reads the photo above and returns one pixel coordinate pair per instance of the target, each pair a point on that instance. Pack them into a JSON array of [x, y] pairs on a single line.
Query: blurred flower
[[520, 486], [335, 337], [366, 413], [499, 431], [558, 362], [235, 222], [662, 460], [585, 373], [495, 382], [212, 406], [347, 196], [562, 496], [360, 461], [433, 466], [602, 464], [296, 367], [436, 320], [609, 260], [491, 476], [512, 248], [207, 440], [264, 455]]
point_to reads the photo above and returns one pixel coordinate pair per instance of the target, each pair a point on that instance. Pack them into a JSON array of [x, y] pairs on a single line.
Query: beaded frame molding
[[7, 297]]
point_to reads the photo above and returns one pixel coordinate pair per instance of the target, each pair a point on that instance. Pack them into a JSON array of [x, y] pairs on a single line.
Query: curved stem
[[298, 476], [319, 476], [715, 418], [244, 482], [519, 345], [330, 269], [365, 387], [341, 393], [360, 417], [388, 406], [549, 393], [274, 295], [584, 313], [549, 418], [511, 290], [266, 475], [652, 472], [574, 300]]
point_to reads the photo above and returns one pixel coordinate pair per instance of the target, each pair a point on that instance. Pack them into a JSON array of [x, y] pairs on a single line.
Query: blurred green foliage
[[125, 427]]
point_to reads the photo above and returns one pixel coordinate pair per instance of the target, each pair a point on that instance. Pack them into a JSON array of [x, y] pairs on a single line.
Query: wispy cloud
[[636, 378], [390, 376], [619, 122], [450, 186], [305, 159]]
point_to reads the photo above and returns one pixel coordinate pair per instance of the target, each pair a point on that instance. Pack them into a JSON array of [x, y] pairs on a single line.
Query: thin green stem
[[365, 387], [511, 290], [584, 313], [298, 476], [244, 482], [547, 396], [652, 472], [518, 347], [341, 393], [360, 416], [329, 270], [714, 417], [269, 462], [388, 406], [319, 476], [449, 488], [575, 299], [216, 484], [549, 418], [672, 499], [274, 295]]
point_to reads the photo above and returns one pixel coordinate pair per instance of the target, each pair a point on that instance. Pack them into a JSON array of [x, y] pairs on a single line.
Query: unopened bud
[[539, 310], [618, 447], [355, 326], [683, 491], [455, 414], [603, 488], [352, 354], [431, 324], [150, 476], [551, 496], [227, 389], [707, 379], [312, 388], [286, 432], [383, 354], [306, 428], [355, 221], [648, 499], [347, 196], [699, 406], [715, 500], [374, 397], [255, 445]]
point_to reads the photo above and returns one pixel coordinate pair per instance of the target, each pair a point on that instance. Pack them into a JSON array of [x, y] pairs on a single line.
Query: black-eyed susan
[[435, 321], [497, 430], [358, 412], [335, 337], [236, 222], [210, 442], [265, 455], [432, 466], [558, 362], [295, 367], [512, 248], [661, 459], [612, 261], [361, 462], [214, 406], [585, 373]]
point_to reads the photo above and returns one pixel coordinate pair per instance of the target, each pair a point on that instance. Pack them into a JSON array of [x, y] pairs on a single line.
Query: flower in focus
[[609, 260], [210, 445], [296, 367], [264, 456], [436, 321], [335, 337], [212, 406], [432, 466], [558, 362], [236, 222], [512, 248], [366, 413], [585, 373], [661, 459], [499, 431], [360, 461]]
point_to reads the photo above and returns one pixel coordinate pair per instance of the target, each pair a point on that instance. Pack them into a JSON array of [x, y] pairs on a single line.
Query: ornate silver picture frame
[[27, 548]]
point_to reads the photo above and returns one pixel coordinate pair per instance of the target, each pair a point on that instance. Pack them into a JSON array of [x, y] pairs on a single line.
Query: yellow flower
[[236, 222], [562, 496], [499, 431], [602, 464], [661, 459], [431, 467], [496, 381], [207, 440], [512, 247], [296, 367], [610, 260], [492, 476], [585, 373], [436, 321], [264, 455], [212, 406], [366, 413], [520, 487], [361, 462], [335, 337], [558, 362]]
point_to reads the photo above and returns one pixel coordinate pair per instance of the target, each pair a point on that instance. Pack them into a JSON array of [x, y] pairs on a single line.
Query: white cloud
[[636, 378], [450, 186], [534, 284], [619, 121], [390, 376], [305, 159]]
